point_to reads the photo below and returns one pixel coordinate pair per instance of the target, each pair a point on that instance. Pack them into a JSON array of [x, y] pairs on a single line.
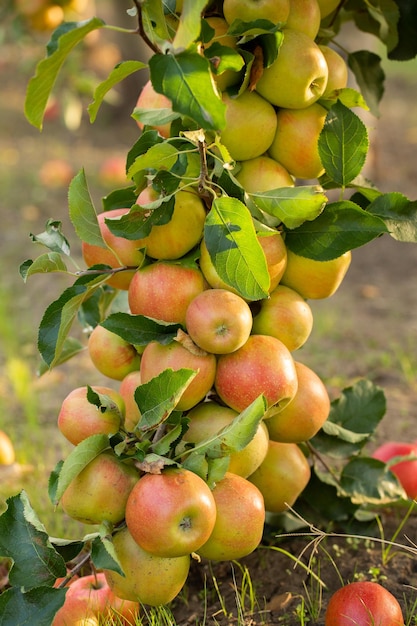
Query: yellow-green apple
[[298, 76], [127, 390], [119, 253], [240, 520], [148, 579], [150, 99], [295, 144], [177, 355], [250, 10], [262, 366], [313, 279], [282, 476], [251, 117], [100, 491], [338, 70], [218, 321], [163, 290], [305, 17], [327, 7], [112, 355], [303, 417], [405, 471], [89, 598], [171, 514], [228, 77], [286, 316], [263, 174], [209, 418], [7, 452], [184, 230], [273, 246], [78, 418], [363, 602]]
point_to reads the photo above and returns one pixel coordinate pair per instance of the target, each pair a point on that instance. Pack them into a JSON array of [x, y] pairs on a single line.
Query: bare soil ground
[[368, 329]]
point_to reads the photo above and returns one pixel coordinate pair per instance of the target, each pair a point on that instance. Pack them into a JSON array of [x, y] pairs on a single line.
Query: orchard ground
[[368, 329]]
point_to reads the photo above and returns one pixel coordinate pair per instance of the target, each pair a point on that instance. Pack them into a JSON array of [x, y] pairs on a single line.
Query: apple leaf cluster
[[204, 75]]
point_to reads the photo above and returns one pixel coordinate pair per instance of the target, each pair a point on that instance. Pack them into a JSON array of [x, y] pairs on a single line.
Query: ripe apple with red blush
[[111, 354], [366, 603], [405, 471]]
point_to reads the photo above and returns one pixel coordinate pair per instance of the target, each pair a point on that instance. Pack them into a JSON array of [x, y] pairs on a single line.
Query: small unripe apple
[[262, 366], [303, 417], [171, 514], [7, 453], [218, 321], [284, 315], [148, 579], [78, 418], [239, 522], [111, 354], [315, 279], [366, 603], [282, 476]]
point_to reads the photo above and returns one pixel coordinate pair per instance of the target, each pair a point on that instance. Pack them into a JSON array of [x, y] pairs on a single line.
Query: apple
[[228, 77], [157, 357], [7, 453], [286, 316], [150, 99], [171, 514], [100, 491], [298, 76], [273, 246], [295, 144], [89, 598], [251, 117], [305, 17], [163, 290], [78, 418], [113, 171], [209, 418], [313, 279], [263, 174], [218, 321], [405, 471], [364, 602], [148, 579], [250, 10], [262, 366], [184, 230], [327, 7], [282, 476], [111, 354], [303, 417], [120, 252], [127, 390], [56, 173], [240, 520], [338, 71]]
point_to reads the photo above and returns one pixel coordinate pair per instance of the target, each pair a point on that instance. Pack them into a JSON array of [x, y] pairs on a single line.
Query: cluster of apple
[[45, 15], [238, 349]]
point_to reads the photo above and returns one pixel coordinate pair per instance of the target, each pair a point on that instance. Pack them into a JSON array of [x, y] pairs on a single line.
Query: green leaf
[[407, 32], [37, 606], [157, 157], [292, 205], [67, 548], [63, 40], [120, 198], [157, 398], [343, 144], [53, 238], [104, 556], [223, 58], [342, 226], [154, 22], [120, 72], [82, 212], [349, 97], [140, 330], [367, 481], [24, 539], [380, 19], [189, 24], [398, 213], [163, 446], [366, 66], [138, 223], [154, 117], [78, 459], [44, 264], [186, 80], [70, 348], [234, 249], [102, 401]]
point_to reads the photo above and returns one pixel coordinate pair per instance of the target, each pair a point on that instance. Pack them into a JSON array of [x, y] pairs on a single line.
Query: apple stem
[[141, 31], [318, 456]]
